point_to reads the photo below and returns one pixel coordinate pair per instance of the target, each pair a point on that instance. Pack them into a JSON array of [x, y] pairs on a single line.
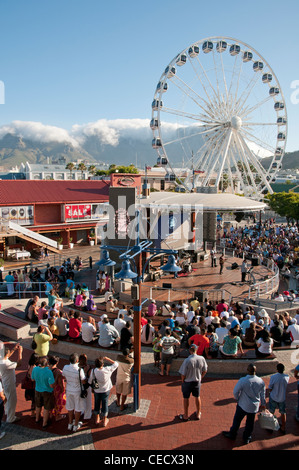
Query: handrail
[[10, 289]]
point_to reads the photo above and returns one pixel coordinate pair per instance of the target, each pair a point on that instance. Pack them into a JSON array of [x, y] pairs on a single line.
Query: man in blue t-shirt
[[44, 384], [277, 397]]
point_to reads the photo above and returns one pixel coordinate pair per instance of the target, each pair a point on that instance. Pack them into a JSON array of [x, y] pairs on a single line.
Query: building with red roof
[[68, 210]]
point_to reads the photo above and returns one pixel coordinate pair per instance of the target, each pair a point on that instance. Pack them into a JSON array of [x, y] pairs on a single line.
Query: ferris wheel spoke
[[246, 93], [209, 81], [216, 76], [250, 124], [246, 165], [237, 86], [202, 84], [234, 152], [232, 77], [195, 117], [189, 92], [256, 106], [220, 171], [257, 141], [260, 169], [224, 79], [205, 150], [213, 163], [177, 112], [188, 137]]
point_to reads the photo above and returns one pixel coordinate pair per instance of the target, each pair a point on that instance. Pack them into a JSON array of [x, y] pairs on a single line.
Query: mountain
[[15, 150], [122, 141], [290, 161]]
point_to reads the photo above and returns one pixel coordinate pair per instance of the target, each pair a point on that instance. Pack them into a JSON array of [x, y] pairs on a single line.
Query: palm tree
[[81, 167], [70, 166], [92, 169]]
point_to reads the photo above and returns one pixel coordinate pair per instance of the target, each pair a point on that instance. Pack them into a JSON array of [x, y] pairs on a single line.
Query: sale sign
[[77, 211]]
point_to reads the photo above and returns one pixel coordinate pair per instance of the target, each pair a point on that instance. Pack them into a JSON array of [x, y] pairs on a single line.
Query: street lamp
[[135, 253]]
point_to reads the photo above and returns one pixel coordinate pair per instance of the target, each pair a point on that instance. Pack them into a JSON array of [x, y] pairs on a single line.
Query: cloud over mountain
[[37, 132]]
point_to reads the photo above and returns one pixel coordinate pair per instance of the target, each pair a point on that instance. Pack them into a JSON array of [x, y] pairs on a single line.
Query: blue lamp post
[[127, 255]]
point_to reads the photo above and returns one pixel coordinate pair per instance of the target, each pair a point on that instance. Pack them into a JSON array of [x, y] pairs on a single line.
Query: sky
[[67, 63]]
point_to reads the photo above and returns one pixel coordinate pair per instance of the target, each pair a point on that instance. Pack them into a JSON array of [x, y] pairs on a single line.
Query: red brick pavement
[[162, 430]]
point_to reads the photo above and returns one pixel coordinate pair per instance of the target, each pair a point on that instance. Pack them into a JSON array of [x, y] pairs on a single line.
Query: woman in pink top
[[152, 309], [42, 309]]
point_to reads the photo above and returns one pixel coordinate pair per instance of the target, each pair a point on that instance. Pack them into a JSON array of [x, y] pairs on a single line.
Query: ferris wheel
[[218, 110]]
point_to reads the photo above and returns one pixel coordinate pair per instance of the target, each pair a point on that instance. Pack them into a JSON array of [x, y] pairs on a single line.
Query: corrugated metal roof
[[44, 191]]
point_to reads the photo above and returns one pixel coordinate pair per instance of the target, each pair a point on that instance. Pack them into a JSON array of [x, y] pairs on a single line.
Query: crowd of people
[[77, 387], [192, 329], [24, 282], [266, 241]]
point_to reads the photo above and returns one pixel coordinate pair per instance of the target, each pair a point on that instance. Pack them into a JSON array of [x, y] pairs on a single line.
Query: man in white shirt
[[74, 403], [8, 376], [293, 329], [209, 318], [222, 331], [119, 323], [88, 330]]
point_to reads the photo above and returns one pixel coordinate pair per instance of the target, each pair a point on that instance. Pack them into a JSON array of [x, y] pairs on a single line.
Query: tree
[[285, 204], [92, 169], [70, 166], [81, 167]]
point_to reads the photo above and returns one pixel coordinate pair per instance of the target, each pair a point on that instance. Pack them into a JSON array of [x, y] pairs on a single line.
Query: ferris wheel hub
[[236, 122]]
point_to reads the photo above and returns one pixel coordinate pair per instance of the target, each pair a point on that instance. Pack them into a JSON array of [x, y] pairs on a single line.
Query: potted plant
[[60, 245], [71, 243], [91, 238]]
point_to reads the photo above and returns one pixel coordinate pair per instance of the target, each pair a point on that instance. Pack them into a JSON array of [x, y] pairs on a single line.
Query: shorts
[[74, 402], [157, 356], [189, 388], [44, 399], [166, 359], [123, 388], [273, 405]]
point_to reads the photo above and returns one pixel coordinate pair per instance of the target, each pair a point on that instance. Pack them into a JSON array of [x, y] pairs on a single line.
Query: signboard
[[121, 213], [75, 212], [22, 215]]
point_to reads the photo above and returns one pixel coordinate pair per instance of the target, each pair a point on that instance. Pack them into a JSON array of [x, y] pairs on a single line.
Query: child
[[157, 349]]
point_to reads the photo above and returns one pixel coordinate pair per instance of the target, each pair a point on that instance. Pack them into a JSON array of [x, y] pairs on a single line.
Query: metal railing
[[267, 286]]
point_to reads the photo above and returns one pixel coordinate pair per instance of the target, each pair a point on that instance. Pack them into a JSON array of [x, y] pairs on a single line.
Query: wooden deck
[[203, 278]]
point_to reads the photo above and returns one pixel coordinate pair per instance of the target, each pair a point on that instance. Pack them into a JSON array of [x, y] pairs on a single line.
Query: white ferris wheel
[[218, 109]]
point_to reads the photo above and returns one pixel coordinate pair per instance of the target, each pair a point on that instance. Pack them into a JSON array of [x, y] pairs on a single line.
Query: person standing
[[2, 403], [74, 376], [167, 344], [277, 397], [213, 258], [44, 384], [221, 263], [58, 389], [7, 373], [244, 270], [250, 393], [9, 279], [123, 378], [192, 371], [101, 394]]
